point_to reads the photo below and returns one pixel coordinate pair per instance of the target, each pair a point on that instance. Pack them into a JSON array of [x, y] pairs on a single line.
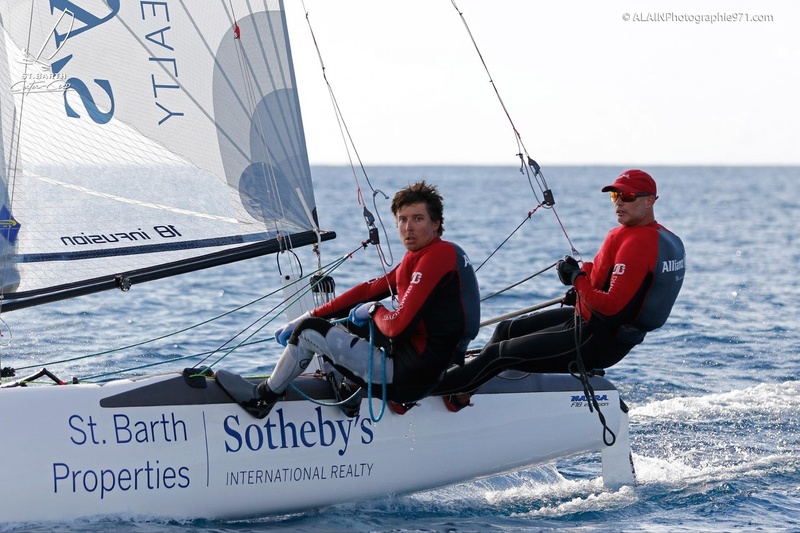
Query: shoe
[[347, 399], [401, 408], [261, 404], [258, 407], [453, 404]]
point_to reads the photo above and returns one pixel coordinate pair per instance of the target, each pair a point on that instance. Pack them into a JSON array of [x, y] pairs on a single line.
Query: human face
[[415, 226], [636, 213]]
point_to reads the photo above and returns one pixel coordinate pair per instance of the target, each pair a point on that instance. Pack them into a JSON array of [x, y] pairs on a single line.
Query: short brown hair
[[421, 193]]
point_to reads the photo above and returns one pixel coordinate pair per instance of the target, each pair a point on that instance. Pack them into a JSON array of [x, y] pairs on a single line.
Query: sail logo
[[72, 22], [416, 277], [165, 232], [619, 269], [40, 82]]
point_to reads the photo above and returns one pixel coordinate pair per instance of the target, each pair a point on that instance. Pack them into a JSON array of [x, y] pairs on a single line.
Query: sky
[[584, 82]]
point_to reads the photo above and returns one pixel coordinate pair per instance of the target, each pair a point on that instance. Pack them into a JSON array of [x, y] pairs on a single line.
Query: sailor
[[628, 290], [436, 314]]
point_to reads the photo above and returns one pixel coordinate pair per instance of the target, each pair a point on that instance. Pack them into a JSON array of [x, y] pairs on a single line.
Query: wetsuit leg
[[517, 327], [544, 342], [349, 353], [352, 353], [293, 361]]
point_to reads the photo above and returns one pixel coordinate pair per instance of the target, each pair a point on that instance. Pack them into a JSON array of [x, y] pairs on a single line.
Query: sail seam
[[135, 202]]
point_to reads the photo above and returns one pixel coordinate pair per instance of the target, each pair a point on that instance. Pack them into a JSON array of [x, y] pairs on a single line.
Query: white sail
[[142, 134]]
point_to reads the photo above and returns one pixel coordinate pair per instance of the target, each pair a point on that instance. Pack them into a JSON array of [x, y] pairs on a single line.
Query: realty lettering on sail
[[163, 79]]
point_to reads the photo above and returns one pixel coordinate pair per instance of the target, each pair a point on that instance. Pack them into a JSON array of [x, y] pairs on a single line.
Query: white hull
[[156, 447]]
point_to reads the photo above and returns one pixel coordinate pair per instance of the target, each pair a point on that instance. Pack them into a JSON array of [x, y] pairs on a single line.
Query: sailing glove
[[568, 270], [282, 335], [570, 297], [360, 314]]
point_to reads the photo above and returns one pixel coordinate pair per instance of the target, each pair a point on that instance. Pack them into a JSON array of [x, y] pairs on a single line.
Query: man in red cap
[[628, 290]]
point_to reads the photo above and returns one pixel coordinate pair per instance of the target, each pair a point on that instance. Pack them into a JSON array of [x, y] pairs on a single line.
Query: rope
[[578, 371], [530, 214], [501, 291], [548, 202], [350, 146], [332, 266], [369, 373], [369, 380], [528, 165], [320, 402]]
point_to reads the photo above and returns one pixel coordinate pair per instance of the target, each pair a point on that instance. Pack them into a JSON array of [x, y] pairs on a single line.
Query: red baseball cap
[[633, 180]]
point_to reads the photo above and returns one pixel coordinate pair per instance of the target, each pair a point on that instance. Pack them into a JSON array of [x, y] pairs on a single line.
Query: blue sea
[[714, 394]]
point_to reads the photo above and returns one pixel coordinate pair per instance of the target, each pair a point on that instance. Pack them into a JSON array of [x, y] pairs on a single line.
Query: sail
[[142, 134]]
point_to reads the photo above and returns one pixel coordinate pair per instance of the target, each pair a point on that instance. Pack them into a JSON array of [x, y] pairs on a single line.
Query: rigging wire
[[520, 282], [530, 214], [528, 163], [352, 152], [224, 347]]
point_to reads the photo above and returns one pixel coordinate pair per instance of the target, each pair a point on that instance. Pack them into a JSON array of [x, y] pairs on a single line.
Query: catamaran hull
[[164, 446]]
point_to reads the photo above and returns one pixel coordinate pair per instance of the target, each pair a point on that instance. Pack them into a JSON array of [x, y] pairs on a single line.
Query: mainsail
[[141, 140]]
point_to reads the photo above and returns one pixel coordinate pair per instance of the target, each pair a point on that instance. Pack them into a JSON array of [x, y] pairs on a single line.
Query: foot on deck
[[456, 402], [401, 408], [255, 399]]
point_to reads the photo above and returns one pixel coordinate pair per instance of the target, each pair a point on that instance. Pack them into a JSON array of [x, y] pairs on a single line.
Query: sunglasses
[[627, 197]]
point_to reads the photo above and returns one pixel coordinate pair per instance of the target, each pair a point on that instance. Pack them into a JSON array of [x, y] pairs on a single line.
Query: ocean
[[715, 422]]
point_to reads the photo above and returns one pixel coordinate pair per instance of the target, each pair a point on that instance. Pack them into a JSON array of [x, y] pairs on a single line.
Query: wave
[[770, 399]]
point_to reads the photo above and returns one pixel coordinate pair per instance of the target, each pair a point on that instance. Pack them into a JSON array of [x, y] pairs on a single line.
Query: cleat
[[349, 402]]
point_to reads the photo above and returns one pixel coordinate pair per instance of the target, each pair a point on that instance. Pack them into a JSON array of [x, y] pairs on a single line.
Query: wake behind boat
[[184, 149]]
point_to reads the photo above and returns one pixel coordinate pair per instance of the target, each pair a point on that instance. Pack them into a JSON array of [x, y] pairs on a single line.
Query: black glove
[[568, 270], [570, 297]]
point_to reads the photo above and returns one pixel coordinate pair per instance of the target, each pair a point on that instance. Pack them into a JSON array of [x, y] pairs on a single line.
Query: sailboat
[[143, 140]]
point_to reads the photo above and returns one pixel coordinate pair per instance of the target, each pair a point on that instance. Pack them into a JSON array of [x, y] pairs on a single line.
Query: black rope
[[527, 218], [501, 291], [578, 371], [352, 151]]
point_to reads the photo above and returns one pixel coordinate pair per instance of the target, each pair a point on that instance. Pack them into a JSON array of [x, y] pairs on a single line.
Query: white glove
[[282, 335]]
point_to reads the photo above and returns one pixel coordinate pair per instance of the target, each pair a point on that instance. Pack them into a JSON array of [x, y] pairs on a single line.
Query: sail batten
[[183, 138]]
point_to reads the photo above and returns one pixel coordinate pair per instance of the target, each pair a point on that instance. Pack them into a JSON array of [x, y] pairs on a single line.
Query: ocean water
[[715, 415]]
